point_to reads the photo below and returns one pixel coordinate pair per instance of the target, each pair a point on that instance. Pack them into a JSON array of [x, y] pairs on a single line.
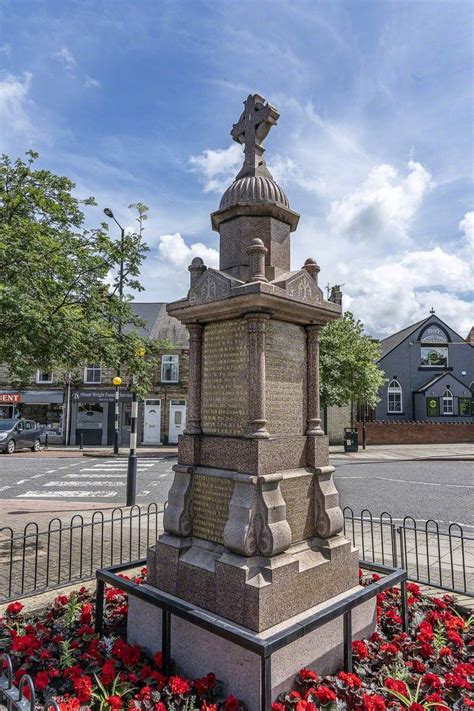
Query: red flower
[[61, 600], [396, 685], [114, 702], [86, 614], [231, 703], [373, 702], [416, 707], [306, 674], [326, 695], [389, 648], [360, 649], [83, 688], [278, 707], [108, 673], [455, 638], [179, 685], [14, 608], [413, 588], [350, 680], [432, 680], [41, 680]]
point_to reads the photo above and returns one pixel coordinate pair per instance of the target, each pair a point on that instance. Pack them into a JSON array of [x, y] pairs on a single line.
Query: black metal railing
[[14, 697], [70, 551], [431, 556], [264, 647]]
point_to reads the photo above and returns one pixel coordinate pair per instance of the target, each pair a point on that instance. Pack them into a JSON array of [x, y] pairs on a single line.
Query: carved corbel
[[329, 517], [273, 530], [177, 518]]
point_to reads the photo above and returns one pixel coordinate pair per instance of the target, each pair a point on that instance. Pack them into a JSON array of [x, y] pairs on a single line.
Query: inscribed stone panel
[[225, 362], [298, 493], [285, 363], [211, 498]]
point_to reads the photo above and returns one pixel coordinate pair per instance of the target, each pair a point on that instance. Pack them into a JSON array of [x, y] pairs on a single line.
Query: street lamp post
[[117, 381], [132, 457], [110, 214]]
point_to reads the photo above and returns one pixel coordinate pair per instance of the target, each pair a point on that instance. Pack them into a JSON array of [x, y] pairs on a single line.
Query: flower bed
[[66, 659]]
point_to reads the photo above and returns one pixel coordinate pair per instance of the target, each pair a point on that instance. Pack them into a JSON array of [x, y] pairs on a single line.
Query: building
[[79, 407], [430, 374]]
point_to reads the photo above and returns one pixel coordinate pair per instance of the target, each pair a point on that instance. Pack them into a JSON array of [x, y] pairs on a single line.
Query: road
[[443, 491]]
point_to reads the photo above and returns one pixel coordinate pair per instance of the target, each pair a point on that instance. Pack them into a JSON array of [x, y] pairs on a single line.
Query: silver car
[[19, 434]]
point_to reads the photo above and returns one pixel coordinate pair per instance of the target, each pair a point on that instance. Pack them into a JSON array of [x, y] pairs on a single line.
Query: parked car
[[19, 434]]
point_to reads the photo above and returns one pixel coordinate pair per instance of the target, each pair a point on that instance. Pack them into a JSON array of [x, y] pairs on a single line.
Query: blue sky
[[374, 147]]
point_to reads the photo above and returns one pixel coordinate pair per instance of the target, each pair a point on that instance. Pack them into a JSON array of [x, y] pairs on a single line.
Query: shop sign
[[10, 398], [97, 395]]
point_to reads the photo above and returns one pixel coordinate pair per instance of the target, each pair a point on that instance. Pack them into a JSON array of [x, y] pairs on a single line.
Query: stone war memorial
[[253, 528]]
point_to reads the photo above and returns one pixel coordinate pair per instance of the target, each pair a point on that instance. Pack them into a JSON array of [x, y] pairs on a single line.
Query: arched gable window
[[394, 397], [448, 408], [434, 347]]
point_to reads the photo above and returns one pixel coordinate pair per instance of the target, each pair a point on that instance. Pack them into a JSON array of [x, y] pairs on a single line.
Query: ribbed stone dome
[[253, 189]]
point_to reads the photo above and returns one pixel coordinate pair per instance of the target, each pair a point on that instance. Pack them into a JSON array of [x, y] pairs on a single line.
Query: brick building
[[79, 406]]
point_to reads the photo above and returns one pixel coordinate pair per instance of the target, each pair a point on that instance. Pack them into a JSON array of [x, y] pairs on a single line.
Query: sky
[[135, 101]]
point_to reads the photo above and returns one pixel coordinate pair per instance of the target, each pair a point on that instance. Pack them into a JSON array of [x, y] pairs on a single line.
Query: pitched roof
[[435, 379], [158, 324], [391, 342]]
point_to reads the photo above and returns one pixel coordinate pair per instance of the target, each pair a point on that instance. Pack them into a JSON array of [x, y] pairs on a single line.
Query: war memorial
[[253, 528]]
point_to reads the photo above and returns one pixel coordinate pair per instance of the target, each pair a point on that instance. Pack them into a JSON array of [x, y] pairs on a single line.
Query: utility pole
[[132, 457]]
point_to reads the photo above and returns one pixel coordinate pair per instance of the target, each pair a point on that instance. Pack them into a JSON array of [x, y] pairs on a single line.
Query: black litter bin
[[351, 440]]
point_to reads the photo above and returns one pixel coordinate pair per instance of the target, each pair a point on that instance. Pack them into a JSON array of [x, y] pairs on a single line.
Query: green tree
[[348, 367], [59, 292]]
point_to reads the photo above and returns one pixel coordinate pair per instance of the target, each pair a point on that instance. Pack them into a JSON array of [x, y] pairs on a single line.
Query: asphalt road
[[443, 491]]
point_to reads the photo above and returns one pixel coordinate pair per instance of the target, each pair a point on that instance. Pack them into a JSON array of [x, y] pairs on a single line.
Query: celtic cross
[[251, 130]]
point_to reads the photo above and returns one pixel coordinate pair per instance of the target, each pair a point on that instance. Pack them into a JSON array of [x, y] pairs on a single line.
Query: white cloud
[[91, 83], [217, 167], [14, 102], [393, 293], [174, 250], [67, 57], [467, 227], [383, 208]]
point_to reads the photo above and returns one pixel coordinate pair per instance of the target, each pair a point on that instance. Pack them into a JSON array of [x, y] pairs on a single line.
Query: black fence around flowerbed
[[71, 551], [440, 558], [35, 560]]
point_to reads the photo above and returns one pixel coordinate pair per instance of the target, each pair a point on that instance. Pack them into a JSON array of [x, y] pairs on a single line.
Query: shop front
[[46, 407], [93, 416]]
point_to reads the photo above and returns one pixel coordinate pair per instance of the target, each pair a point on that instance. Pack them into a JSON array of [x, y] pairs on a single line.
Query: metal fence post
[[400, 530], [394, 545], [81, 445], [347, 631], [404, 601], [99, 606]]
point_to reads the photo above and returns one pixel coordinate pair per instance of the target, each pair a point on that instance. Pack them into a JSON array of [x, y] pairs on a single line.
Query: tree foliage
[[348, 367], [60, 305]]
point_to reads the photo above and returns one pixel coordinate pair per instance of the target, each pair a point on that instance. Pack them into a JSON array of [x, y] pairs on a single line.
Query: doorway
[[152, 422], [177, 420]]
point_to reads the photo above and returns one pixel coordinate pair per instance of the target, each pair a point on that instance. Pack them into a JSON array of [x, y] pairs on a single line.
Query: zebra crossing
[[92, 479]]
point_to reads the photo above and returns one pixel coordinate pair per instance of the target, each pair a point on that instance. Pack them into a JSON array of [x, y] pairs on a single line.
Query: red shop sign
[[10, 398]]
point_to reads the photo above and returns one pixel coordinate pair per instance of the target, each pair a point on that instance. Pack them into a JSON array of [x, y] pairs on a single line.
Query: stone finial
[[255, 122], [256, 251], [196, 269], [313, 269]]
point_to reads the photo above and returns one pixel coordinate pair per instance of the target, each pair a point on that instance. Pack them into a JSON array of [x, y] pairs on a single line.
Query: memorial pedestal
[[197, 651]]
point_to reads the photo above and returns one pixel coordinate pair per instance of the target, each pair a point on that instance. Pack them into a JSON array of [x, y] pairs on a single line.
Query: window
[[93, 374], [448, 408], [465, 407], [432, 406], [434, 356], [44, 376], [394, 397], [169, 368]]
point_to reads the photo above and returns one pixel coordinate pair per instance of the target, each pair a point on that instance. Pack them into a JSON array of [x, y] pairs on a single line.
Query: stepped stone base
[[254, 592], [197, 651]]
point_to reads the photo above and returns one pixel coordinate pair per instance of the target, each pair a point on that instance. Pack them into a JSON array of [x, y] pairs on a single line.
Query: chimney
[[336, 295]]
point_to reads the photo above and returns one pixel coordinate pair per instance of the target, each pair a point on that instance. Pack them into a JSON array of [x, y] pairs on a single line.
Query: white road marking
[[464, 525], [51, 471], [22, 481], [143, 493], [162, 476], [66, 467], [109, 469], [461, 486], [65, 494], [37, 476], [386, 478], [4, 488], [95, 476], [82, 482]]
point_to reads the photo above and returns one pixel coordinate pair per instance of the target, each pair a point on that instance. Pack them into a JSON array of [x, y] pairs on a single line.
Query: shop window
[[89, 415], [394, 397], [432, 406], [93, 374], [465, 407], [448, 402], [169, 368], [434, 356], [44, 376]]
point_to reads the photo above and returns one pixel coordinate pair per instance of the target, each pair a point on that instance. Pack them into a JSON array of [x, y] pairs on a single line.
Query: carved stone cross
[[251, 129]]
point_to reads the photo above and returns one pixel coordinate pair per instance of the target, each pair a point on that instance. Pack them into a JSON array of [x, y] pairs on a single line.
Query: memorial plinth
[[253, 527]]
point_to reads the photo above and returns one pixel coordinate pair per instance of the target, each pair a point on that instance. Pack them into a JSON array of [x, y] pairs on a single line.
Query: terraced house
[[79, 407]]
